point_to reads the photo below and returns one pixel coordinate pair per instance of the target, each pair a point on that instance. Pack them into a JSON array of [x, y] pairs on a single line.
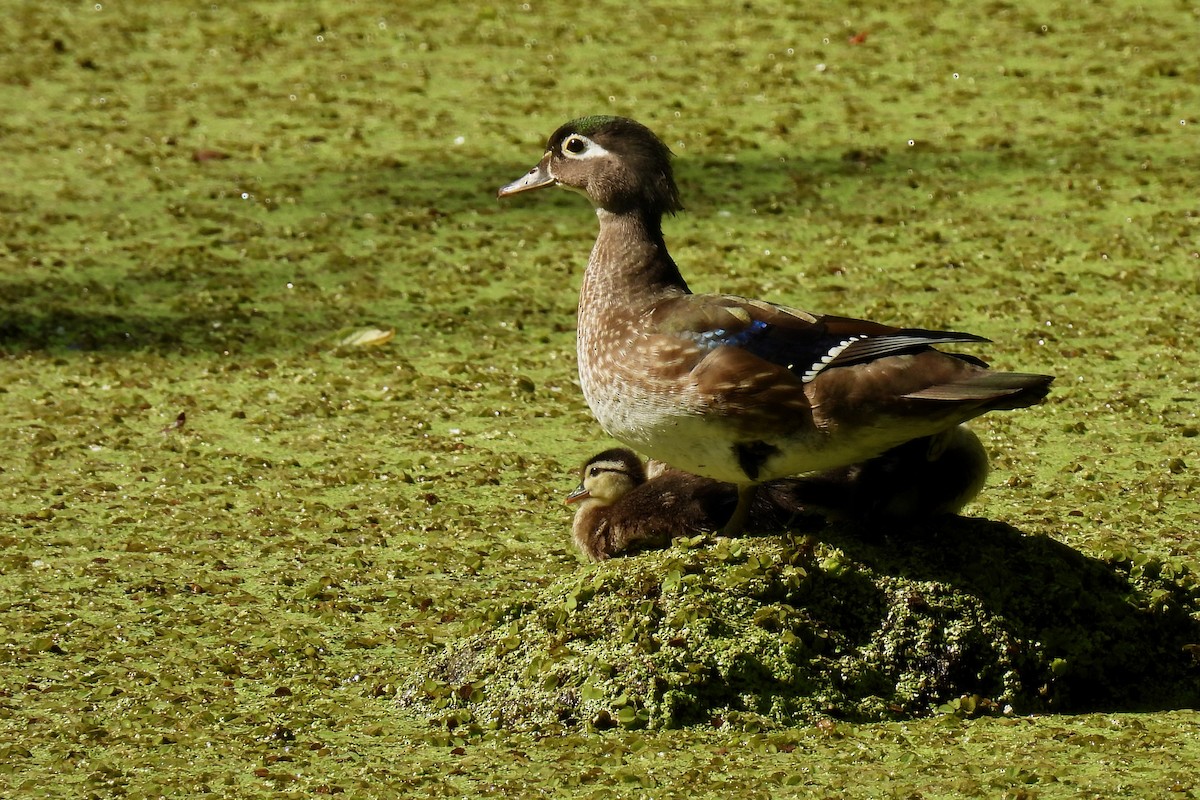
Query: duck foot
[[737, 520]]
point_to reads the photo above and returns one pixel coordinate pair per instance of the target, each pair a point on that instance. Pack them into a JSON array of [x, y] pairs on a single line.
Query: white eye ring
[[575, 145], [579, 146]]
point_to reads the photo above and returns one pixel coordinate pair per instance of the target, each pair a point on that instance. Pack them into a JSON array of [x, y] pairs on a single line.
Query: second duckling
[[927, 477]]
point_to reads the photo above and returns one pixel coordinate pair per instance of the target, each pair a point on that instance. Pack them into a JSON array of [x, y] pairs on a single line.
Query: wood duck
[[625, 506], [729, 388]]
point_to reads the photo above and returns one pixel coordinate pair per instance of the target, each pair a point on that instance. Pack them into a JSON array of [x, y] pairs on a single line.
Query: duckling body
[[729, 388], [621, 510], [928, 477], [625, 506]]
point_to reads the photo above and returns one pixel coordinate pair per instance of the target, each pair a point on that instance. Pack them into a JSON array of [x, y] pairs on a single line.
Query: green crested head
[[588, 126]]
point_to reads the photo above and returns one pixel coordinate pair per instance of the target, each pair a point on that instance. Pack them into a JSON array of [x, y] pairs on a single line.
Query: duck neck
[[630, 262]]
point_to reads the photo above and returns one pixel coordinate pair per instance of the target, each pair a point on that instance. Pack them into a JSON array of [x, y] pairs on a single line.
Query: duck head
[[618, 164]]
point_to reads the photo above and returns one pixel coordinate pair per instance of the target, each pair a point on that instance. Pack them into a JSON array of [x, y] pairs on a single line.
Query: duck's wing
[[743, 348], [804, 344]]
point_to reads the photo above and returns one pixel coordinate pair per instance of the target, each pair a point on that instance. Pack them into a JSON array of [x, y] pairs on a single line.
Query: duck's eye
[[593, 472], [575, 144]]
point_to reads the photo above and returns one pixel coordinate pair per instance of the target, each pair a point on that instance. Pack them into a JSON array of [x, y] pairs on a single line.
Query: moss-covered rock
[[964, 616]]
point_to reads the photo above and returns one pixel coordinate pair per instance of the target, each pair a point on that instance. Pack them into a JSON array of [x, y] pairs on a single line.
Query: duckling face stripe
[[811, 373]]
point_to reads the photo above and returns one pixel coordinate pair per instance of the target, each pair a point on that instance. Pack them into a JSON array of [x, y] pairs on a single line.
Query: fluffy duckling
[[623, 508], [928, 477]]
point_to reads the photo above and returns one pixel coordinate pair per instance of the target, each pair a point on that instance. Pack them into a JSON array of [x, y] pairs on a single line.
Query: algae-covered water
[[202, 201]]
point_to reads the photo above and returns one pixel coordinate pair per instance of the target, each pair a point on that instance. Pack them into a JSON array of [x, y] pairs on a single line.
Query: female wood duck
[[623, 508], [738, 390]]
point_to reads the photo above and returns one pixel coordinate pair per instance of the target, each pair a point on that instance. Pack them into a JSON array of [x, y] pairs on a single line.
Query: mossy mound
[[965, 615]]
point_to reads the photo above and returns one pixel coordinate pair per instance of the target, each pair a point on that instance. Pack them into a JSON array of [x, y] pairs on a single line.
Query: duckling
[[739, 390], [617, 513], [928, 477], [625, 506], [622, 511]]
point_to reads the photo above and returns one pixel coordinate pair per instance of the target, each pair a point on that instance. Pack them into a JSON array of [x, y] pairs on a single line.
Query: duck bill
[[578, 494], [536, 178]]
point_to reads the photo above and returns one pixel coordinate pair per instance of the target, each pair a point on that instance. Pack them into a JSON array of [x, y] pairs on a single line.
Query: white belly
[[667, 427]]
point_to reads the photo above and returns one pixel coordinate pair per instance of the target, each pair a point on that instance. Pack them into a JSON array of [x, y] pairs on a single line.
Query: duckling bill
[[733, 389]]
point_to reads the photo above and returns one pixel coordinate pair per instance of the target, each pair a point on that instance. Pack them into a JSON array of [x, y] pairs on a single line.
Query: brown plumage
[[727, 387], [623, 511], [625, 506]]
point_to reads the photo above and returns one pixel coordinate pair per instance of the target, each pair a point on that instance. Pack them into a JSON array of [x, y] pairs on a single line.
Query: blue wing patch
[[719, 337], [810, 350]]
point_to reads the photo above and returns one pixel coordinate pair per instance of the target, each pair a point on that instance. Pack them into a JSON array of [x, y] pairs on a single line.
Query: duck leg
[[737, 520]]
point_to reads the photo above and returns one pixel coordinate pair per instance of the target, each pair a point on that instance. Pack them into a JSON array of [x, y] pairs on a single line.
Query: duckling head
[[607, 477]]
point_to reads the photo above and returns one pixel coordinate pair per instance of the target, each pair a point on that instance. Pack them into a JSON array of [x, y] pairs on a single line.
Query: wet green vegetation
[[201, 201], [960, 617]]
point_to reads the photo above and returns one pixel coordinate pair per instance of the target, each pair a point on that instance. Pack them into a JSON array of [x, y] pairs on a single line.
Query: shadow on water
[[23, 329], [218, 274], [412, 204]]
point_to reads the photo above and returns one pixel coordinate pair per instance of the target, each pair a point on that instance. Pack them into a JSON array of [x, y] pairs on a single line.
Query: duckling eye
[[575, 144], [593, 472]]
